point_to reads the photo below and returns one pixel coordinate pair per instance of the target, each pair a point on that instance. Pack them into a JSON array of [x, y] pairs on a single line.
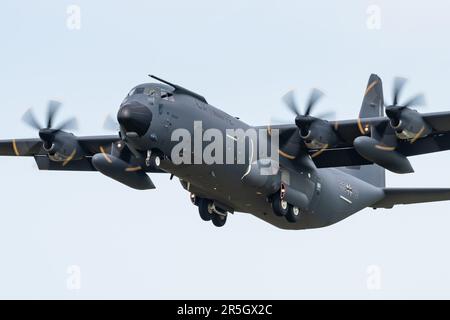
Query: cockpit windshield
[[138, 90], [166, 95]]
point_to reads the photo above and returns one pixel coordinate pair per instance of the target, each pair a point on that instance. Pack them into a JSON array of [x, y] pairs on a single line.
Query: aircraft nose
[[135, 117]]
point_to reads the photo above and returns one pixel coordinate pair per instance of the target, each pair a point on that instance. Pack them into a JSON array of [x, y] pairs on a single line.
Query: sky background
[[242, 56]]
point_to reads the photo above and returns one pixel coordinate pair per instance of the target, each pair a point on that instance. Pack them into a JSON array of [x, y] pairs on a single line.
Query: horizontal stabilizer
[[393, 196]]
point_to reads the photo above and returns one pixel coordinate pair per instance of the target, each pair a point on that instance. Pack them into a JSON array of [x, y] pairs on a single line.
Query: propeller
[[395, 108], [110, 124], [52, 108], [303, 121], [314, 97], [47, 132], [408, 124]]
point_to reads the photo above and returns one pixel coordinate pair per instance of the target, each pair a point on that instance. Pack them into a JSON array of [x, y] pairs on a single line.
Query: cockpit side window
[[167, 95]]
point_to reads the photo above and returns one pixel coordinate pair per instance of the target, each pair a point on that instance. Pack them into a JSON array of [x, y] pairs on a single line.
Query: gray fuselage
[[333, 194]]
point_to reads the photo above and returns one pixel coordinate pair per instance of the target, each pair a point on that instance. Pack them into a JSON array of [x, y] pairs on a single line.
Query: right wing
[[21, 147]]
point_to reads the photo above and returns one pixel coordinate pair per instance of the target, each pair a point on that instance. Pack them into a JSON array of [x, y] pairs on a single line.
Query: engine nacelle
[[63, 147], [408, 124], [385, 156], [318, 134], [119, 170]]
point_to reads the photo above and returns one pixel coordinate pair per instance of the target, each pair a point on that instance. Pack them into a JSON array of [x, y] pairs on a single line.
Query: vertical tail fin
[[372, 106]]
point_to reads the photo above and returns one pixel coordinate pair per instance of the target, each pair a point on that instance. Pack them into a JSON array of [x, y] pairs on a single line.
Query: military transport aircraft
[[323, 172]]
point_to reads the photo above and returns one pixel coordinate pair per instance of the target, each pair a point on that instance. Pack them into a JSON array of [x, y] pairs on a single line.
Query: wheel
[[219, 220], [154, 161], [194, 199], [280, 207], [293, 214], [205, 209]]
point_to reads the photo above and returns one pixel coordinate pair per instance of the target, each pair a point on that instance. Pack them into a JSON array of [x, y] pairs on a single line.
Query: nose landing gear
[[209, 212], [152, 160]]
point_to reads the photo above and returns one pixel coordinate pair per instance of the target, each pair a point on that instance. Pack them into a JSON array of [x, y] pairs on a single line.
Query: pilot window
[[136, 91], [139, 91], [164, 94], [151, 91], [167, 96]]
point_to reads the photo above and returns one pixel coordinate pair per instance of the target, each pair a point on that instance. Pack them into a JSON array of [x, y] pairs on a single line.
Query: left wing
[[344, 153]]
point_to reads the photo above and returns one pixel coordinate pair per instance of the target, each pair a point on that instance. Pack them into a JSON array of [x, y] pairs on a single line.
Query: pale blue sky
[[243, 56]]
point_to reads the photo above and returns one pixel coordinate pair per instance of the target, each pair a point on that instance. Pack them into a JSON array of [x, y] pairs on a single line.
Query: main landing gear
[[283, 209], [209, 212]]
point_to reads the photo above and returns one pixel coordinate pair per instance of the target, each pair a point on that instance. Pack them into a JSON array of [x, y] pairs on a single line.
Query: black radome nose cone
[[135, 117]]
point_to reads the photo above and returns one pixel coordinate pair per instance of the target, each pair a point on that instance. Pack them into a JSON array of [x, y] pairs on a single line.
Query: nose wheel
[[208, 212], [219, 219], [205, 209], [152, 160]]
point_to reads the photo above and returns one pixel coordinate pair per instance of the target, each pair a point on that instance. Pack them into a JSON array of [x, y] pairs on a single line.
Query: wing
[[68, 152], [90, 146], [344, 154]]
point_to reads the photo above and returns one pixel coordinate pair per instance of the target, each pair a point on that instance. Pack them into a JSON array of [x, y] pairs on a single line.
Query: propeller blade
[[417, 100], [29, 118], [327, 115], [399, 83], [289, 100], [314, 97], [52, 108], [110, 124], [70, 124]]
